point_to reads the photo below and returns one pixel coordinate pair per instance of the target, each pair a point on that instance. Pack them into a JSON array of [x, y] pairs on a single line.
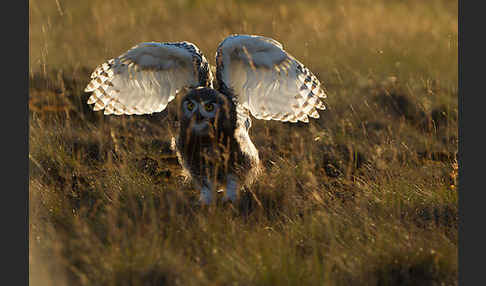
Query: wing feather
[[147, 77], [267, 81]]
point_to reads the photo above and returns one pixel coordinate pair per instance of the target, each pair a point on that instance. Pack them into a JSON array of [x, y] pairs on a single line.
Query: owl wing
[[147, 77], [266, 80]]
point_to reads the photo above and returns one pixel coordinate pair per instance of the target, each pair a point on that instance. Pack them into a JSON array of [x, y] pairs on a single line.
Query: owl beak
[[200, 124], [198, 117]]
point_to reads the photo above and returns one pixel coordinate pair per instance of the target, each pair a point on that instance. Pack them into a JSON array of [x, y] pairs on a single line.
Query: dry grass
[[367, 194]]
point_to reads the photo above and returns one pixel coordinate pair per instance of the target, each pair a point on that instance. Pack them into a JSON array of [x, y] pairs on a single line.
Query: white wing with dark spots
[[147, 77], [267, 81]]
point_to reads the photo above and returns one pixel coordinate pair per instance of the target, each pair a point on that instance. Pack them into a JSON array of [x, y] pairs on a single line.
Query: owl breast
[[213, 158], [225, 149]]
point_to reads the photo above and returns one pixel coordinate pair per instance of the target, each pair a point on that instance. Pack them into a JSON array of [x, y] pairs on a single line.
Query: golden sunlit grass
[[366, 194]]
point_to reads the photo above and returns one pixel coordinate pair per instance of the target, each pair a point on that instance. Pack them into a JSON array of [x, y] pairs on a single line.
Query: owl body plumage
[[225, 149], [254, 75]]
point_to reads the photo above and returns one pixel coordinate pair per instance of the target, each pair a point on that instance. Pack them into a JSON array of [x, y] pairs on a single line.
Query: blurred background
[[363, 38]]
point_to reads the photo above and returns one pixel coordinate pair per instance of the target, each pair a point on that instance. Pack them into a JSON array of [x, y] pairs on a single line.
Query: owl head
[[205, 111]]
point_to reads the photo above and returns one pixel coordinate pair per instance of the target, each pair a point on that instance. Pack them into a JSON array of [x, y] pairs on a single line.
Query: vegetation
[[366, 194]]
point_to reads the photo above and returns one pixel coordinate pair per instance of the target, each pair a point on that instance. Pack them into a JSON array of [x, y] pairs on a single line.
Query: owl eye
[[209, 107], [190, 105]]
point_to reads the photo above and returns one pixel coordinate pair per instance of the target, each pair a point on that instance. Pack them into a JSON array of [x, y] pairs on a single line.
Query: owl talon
[[231, 188]]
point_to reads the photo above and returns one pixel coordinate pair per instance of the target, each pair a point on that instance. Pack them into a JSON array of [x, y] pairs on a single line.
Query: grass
[[366, 194]]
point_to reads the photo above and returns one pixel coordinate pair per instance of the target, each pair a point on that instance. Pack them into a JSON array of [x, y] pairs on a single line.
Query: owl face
[[202, 109]]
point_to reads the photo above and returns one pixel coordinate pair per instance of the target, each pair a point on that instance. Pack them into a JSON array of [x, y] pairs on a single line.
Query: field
[[365, 195]]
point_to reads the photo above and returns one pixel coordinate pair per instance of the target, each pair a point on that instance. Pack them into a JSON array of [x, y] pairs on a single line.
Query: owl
[[254, 75]]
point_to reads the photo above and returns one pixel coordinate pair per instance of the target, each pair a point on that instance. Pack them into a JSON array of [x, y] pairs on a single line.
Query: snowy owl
[[254, 75]]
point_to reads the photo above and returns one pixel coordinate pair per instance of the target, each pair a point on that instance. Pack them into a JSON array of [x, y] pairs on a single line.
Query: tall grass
[[366, 194]]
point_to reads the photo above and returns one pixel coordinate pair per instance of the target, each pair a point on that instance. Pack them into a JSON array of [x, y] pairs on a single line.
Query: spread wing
[[266, 80], [147, 77]]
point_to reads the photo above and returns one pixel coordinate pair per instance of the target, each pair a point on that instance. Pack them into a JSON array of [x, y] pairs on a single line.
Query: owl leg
[[232, 186], [206, 194]]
